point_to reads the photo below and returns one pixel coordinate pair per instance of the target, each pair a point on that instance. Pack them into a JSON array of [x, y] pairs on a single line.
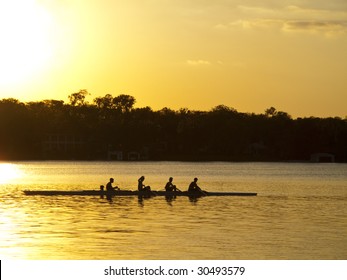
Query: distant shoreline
[[112, 129], [169, 160]]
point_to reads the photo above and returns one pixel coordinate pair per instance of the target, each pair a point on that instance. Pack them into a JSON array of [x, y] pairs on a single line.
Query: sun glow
[[9, 172], [25, 47]]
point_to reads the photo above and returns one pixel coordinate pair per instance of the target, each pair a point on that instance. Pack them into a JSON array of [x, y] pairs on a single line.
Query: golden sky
[[246, 54]]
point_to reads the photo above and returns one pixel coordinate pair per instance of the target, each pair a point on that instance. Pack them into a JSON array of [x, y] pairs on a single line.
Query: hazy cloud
[[326, 27], [252, 23], [198, 62], [290, 19]]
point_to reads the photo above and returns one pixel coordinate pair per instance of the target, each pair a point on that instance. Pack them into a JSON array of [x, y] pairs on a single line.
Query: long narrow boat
[[133, 193]]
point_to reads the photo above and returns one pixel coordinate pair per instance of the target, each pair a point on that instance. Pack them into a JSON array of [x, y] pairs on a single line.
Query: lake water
[[300, 212]]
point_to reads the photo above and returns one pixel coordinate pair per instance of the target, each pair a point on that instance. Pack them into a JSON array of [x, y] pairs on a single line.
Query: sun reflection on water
[[9, 236], [9, 172]]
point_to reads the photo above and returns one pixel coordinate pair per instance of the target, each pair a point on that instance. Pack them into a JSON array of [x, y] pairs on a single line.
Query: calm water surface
[[300, 212]]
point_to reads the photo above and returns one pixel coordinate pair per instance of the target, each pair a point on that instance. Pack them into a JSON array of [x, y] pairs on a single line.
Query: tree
[[52, 103], [224, 108], [270, 112], [124, 102], [78, 98], [105, 102]]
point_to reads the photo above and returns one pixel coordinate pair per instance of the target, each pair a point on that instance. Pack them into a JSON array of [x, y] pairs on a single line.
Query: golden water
[[300, 212]]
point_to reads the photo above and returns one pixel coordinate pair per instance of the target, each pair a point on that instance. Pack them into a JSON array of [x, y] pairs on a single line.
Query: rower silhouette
[[141, 186], [170, 187], [109, 186], [193, 187]]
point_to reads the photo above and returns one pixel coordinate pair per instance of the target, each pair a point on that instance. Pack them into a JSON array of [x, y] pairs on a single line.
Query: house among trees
[[58, 146], [322, 157], [114, 155]]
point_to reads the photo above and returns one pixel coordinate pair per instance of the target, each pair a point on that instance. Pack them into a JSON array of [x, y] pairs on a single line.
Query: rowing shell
[[134, 193]]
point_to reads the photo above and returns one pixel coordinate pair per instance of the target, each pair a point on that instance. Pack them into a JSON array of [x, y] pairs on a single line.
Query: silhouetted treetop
[[78, 98], [105, 102], [124, 102]]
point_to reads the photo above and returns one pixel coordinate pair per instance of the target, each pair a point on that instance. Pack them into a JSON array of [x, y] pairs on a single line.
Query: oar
[[204, 193], [177, 189], [199, 190], [150, 191]]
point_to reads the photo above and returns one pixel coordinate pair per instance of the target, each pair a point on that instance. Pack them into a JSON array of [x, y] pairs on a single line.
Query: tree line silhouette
[[53, 129]]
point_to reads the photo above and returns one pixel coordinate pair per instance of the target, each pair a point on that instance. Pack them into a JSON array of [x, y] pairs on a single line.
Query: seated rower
[[193, 187], [170, 187], [141, 187], [109, 186]]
